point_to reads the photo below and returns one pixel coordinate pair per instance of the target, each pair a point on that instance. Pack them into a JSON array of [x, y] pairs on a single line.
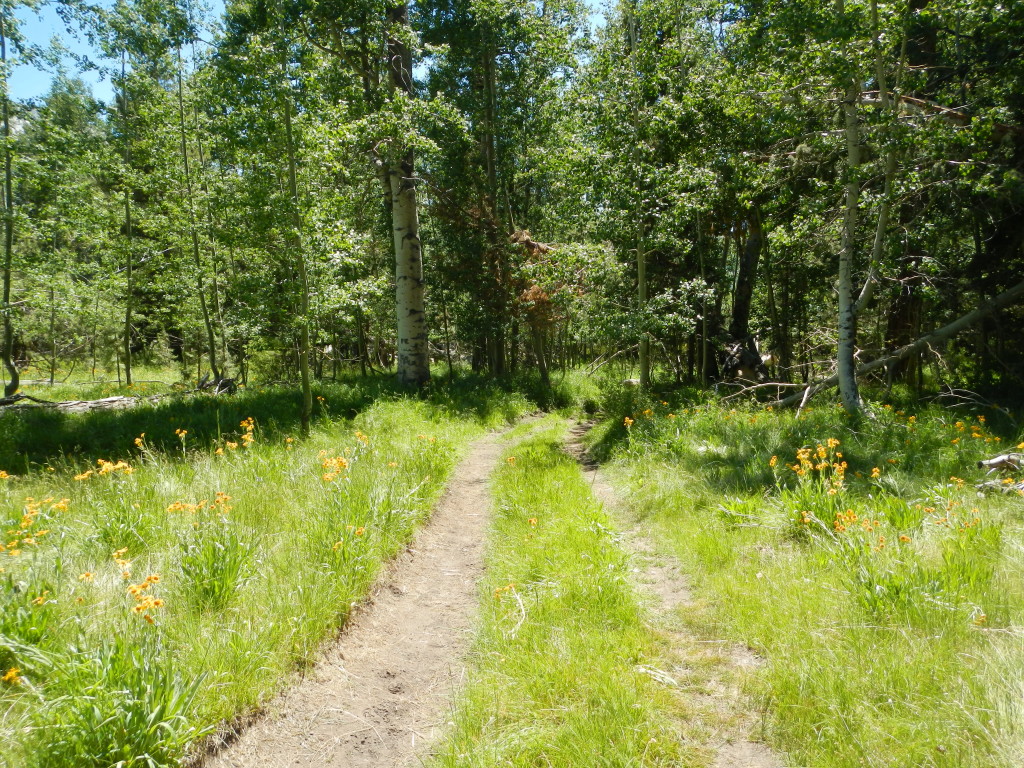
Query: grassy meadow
[[167, 568], [561, 668], [857, 557]]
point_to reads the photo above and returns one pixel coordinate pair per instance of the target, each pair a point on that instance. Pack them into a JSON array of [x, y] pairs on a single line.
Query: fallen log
[[120, 402], [937, 336], [17, 396], [1008, 462], [1007, 465]]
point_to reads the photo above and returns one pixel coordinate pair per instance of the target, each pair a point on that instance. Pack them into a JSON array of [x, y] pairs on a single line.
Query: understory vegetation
[[167, 568], [856, 555], [149, 594]]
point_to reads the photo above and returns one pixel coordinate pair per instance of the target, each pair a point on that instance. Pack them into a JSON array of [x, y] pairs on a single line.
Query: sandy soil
[[731, 717], [383, 692]]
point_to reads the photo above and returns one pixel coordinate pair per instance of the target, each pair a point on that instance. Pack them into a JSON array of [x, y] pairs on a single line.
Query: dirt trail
[[708, 674], [382, 693]]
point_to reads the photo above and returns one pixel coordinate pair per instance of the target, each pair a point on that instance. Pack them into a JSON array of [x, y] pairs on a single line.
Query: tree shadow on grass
[[731, 448], [42, 436]]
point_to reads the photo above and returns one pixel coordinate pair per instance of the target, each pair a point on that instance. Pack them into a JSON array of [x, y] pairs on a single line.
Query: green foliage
[[28, 619], [214, 560], [149, 601], [123, 703], [41, 435]]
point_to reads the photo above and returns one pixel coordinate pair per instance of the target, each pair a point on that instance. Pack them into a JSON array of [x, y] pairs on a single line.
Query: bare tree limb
[[937, 336], [594, 368]]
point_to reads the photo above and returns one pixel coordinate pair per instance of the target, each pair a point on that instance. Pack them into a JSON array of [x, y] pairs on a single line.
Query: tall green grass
[[147, 600], [561, 667], [855, 555], [35, 437]]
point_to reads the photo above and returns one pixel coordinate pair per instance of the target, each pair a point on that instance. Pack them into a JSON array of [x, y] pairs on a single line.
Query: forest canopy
[[770, 191]]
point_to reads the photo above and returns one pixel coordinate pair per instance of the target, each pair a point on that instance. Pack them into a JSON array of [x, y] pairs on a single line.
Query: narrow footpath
[[383, 692], [707, 673]]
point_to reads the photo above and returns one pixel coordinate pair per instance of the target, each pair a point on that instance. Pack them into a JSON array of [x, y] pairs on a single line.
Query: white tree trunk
[[413, 362], [645, 339], [929, 341], [7, 351]]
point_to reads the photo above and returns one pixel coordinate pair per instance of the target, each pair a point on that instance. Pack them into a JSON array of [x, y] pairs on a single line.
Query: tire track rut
[[382, 693]]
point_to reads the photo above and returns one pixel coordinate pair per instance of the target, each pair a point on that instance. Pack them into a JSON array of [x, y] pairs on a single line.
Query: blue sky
[[39, 28], [28, 82]]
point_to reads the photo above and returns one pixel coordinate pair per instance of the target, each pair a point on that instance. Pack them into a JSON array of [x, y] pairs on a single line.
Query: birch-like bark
[[641, 256], [645, 339], [882, 223], [211, 230], [129, 290], [413, 362]]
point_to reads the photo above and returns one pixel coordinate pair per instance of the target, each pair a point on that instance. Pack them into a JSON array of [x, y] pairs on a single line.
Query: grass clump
[[125, 704], [561, 667], [857, 557]]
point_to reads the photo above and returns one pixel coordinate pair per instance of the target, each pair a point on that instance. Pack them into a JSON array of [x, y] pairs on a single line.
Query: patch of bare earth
[[707, 674], [383, 691]]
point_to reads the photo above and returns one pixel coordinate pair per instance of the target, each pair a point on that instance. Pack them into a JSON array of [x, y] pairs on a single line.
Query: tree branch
[[1004, 299]]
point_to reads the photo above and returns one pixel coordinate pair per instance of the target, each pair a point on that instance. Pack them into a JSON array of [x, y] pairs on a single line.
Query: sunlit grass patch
[[856, 556], [562, 667], [226, 561]]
